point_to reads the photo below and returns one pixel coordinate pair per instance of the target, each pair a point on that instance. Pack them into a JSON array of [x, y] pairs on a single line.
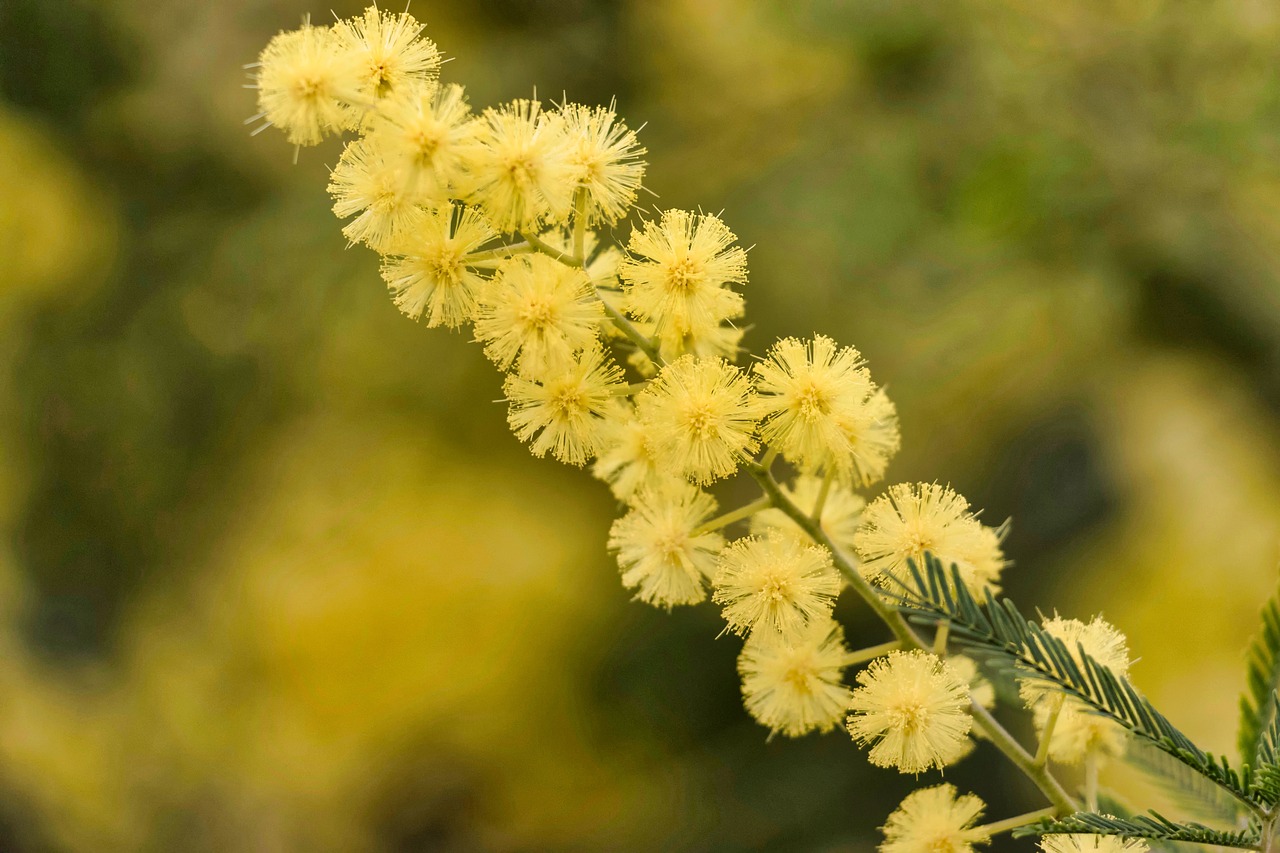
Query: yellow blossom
[[913, 709], [1092, 844], [626, 458], [537, 313], [388, 55], [305, 84], [677, 273], [604, 159], [427, 276], [425, 131], [517, 168], [1078, 731], [821, 409], [661, 553], [699, 414], [794, 685], [910, 520], [934, 820], [776, 584], [841, 511], [366, 185], [565, 410]]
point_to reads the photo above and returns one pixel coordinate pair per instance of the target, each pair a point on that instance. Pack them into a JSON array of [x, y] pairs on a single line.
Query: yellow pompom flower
[[699, 415], [626, 458], [305, 84], [1079, 732], [365, 185], [517, 168], [388, 55], [794, 685], [427, 276], [604, 157], [661, 553], [1092, 844], [677, 273], [425, 131], [566, 410], [841, 511], [913, 709], [820, 408], [909, 520], [934, 820], [537, 313], [775, 584]]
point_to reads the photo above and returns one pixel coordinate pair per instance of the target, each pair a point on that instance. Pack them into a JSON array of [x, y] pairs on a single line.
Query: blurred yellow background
[[275, 577]]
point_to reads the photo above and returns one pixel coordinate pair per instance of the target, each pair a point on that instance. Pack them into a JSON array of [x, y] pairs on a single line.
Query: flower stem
[[498, 253], [552, 251], [627, 328], [580, 225], [822, 495], [1042, 751], [999, 826], [736, 515], [864, 655]]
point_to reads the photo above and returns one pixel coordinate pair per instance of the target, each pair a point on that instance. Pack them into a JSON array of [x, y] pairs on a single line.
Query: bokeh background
[[275, 577]]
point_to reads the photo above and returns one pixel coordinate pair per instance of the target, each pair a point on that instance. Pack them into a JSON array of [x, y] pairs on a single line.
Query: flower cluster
[[625, 357]]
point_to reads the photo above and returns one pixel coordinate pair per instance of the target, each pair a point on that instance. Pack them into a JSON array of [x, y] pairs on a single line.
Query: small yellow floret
[[677, 275], [1092, 844], [794, 685], [626, 460], [428, 278], [566, 410], [537, 313], [775, 584], [305, 83], [1078, 731], [934, 820], [913, 709], [604, 157], [821, 409], [388, 55], [910, 520], [699, 415], [841, 511], [365, 185], [425, 131], [517, 167], [660, 551]]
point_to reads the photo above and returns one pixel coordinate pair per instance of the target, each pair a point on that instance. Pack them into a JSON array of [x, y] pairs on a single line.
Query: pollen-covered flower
[[910, 519], [604, 157], [565, 410], [699, 414], [366, 185], [427, 276], [821, 409], [841, 511], [425, 130], [1092, 844], [1078, 731], [661, 553], [388, 55], [934, 820], [776, 584], [539, 312], [517, 168], [305, 83], [677, 274], [794, 685], [626, 460], [913, 709]]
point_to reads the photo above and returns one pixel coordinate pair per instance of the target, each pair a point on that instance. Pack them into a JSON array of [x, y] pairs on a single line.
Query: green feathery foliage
[[999, 630], [1258, 704], [1152, 826], [1197, 796]]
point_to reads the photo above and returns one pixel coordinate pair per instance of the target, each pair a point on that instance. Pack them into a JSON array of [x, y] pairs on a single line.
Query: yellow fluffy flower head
[[913, 709], [604, 160], [794, 685], [775, 583], [627, 461], [566, 410], [365, 185], [1092, 844], [428, 278], [699, 415], [305, 84], [387, 53], [425, 131], [934, 820], [910, 520], [661, 552]]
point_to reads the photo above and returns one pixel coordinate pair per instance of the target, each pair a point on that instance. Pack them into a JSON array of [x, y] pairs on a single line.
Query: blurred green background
[[273, 574]]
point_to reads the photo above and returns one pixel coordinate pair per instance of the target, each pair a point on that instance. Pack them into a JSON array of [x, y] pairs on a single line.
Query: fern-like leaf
[[933, 596], [1152, 826], [1258, 704]]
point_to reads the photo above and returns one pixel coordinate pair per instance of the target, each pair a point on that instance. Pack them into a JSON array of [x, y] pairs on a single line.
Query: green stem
[[498, 253], [999, 826], [552, 251], [580, 225], [822, 496], [642, 343], [1042, 751], [864, 655], [940, 638], [1052, 789], [730, 517]]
